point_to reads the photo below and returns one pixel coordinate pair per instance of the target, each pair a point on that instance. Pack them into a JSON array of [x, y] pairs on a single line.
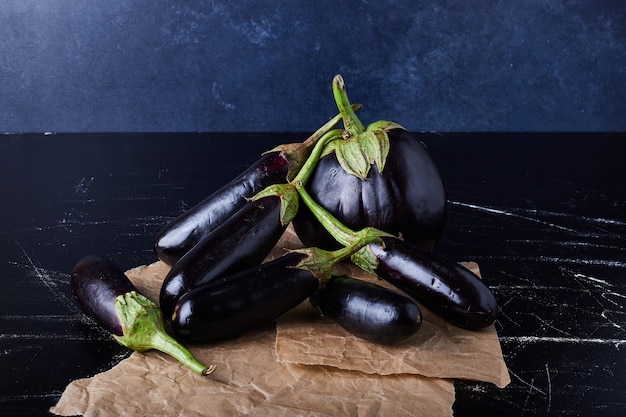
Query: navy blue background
[[146, 65]]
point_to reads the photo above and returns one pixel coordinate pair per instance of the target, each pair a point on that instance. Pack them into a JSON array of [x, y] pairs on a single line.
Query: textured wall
[[147, 65]]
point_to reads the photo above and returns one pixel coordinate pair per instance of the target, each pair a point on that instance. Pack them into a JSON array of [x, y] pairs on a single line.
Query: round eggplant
[[368, 310], [379, 176]]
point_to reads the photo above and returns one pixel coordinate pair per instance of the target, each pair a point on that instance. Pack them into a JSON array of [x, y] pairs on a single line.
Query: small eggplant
[[229, 306], [242, 241], [105, 293], [368, 310], [277, 166], [445, 287]]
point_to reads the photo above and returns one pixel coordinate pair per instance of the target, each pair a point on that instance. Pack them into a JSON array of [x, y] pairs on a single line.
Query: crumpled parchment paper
[[303, 366]]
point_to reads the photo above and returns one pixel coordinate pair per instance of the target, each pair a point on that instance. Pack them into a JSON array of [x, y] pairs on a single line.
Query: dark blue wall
[[178, 65]]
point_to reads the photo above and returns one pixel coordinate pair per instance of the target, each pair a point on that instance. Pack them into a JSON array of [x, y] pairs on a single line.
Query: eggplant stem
[[309, 166], [342, 233], [351, 122], [143, 329], [312, 140], [163, 342]]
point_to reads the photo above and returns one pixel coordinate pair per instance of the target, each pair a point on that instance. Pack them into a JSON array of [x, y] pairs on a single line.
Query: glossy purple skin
[[408, 199], [445, 287], [96, 283], [230, 306], [368, 310], [182, 233], [242, 241]]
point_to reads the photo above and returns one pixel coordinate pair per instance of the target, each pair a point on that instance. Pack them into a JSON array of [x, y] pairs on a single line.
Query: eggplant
[[96, 283], [232, 305], [105, 293], [384, 178], [277, 166], [368, 310], [242, 241], [182, 233], [440, 284]]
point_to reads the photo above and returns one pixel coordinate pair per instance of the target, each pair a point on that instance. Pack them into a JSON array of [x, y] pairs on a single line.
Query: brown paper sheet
[[306, 366], [248, 381], [437, 350]]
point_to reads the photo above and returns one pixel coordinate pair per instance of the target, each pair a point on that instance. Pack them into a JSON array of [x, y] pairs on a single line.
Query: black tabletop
[[544, 215]]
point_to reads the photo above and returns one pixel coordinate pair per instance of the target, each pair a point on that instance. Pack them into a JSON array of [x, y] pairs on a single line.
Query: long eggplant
[[277, 166], [368, 310], [104, 292], [182, 233], [444, 286], [242, 241], [230, 306]]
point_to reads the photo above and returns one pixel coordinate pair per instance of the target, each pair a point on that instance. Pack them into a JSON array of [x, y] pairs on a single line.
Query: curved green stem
[[338, 230], [311, 140], [342, 233], [307, 169], [351, 122]]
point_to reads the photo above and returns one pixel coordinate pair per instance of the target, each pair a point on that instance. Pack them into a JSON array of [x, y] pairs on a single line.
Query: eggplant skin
[[182, 233], [230, 306], [444, 286], [408, 199], [368, 310], [95, 283], [242, 241]]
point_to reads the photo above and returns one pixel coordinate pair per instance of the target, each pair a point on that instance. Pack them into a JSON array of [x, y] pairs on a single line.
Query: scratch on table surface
[[569, 340], [81, 186], [555, 259], [546, 323], [52, 336], [606, 294], [549, 390], [510, 213], [44, 277], [530, 385], [23, 397]]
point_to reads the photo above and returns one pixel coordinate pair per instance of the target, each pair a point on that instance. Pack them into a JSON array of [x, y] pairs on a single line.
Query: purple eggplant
[[182, 233], [368, 310], [105, 293], [96, 283], [277, 166], [444, 286], [242, 241], [230, 306], [379, 176]]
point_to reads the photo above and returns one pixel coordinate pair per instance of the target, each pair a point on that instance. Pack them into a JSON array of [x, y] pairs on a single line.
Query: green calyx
[[143, 329], [321, 262], [289, 200], [361, 146], [365, 259]]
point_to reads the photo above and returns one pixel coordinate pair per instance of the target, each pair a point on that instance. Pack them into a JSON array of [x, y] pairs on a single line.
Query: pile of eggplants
[[367, 195]]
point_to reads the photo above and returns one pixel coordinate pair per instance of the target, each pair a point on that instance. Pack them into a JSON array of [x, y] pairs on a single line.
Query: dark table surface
[[544, 215]]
